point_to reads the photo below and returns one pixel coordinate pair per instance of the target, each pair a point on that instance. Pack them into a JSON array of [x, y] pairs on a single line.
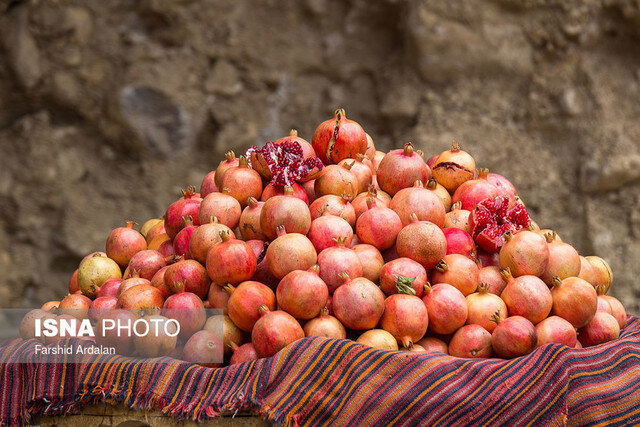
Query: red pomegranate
[[160, 338], [458, 271], [250, 221], [488, 260], [187, 276], [417, 200], [165, 248], [75, 305], [574, 300], [555, 329], [453, 168], [307, 149], [242, 182], [401, 169], [371, 260], [217, 298], [378, 338], [360, 202], [527, 296], [492, 218], [146, 263], [155, 231], [564, 260], [188, 310], [337, 180], [459, 242], [141, 298], [230, 161], [148, 225], [245, 300], [471, 341], [403, 276], [617, 310], [474, 191], [458, 218], [362, 171], [188, 205], [603, 303], [50, 306], [339, 138], [287, 211], [326, 230], [504, 186], [447, 308], [100, 305], [208, 185], [157, 281], [493, 279], [290, 251], [587, 272], [358, 303], [302, 294], [378, 226], [129, 283], [123, 243], [309, 189], [334, 205], [514, 336], [482, 305], [434, 345], [524, 253], [230, 261], [371, 148], [109, 288], [120, 340], [405, 317], [243, 353], [205, 237], [183, 238], [204, 348], [262, 274], [274, 331], [336, 260], [299, 191], [221, 206], [324, 326], [601, 329], [284, 163], [442, 193], [73, 282], [422, 241]]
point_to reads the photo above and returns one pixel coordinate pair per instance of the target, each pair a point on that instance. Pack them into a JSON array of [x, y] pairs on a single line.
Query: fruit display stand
[[339, 382]]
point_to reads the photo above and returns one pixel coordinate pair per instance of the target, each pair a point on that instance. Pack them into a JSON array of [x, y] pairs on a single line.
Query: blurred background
[[109, 108]]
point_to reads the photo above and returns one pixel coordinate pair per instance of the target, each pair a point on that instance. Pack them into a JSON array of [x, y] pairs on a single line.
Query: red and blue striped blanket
[[338, 382]]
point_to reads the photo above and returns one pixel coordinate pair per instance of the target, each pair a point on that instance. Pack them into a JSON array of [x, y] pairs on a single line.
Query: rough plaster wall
[[108, 108]]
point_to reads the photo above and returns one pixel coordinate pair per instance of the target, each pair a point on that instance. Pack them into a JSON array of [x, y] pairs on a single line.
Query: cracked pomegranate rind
[[492, 218], [283, 164]]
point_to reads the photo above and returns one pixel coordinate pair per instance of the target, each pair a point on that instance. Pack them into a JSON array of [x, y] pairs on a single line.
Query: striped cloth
[[338, 382]]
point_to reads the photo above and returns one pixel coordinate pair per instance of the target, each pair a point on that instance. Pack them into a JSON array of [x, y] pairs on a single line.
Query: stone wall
[[108, 108]]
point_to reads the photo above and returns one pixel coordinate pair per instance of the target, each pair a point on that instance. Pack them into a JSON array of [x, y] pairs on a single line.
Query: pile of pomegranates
[[335, 239]]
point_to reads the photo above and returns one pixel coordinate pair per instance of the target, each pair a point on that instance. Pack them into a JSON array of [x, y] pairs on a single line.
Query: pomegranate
[[378, 338], [290, 252], [587, 272], [603, 273], [284, 164], [487, 259], [141, 298], [107, 336], [458, 218], [205, 237], [187, 276], [617, 310], [524, 253], [401, 168], [109, 288], [376, 159], [231, 334], [309, 189], [442, 193], [146, 263], [250, 220], [574, 300], [371, 260], [123, 243], [75, 305], [50, 306], [262, 274], [183, 238], [371, 148], [230, 161], [447, 308], [334, 205], [378, 226], [242, 182], [403, 276], [514, 336], [166, 249], [527, 296], [453, 168], [324, 326], [302, 294], [482, 305], [362, 171], [492, 218], [217, 298], [157, 281], [158, 242], [28, 323], [299, 191], [474, 191], [433, 345], [144, 230], [491, 277], [287, 211], [358, 303], [204, 348], [155, 231], [504, 186], [327, 230], [339, 138], [73, 282], [405, 317], [188, 310], [245, 300], [603, 304], [337, 180], [471, 341], [230, 261], [459, 242], [564, 260], [208, 185], [94, 271], [360, 202], [243, 353], [422, 241], [419, 201], [601, 329], [100, 305], [274, 331], [222, 206], [458, 271], [307, 149], [555, 329], [188, 205], [157, 338], [431, 161], [129, 283], [337, 260]]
